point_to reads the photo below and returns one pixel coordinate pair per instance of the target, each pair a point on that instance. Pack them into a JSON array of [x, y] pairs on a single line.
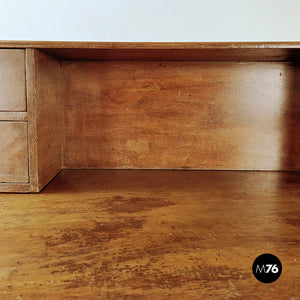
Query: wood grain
[[189, 105], [12, 80], [150, 45], [151, 235], [194, 54], [179, 115], [224, 51], [13, 116], [291, 142], [13, 149], [14, 187], [32, 116], [47, 118]]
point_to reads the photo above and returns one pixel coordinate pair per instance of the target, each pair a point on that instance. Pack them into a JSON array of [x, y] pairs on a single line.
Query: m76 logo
[[267, 268]]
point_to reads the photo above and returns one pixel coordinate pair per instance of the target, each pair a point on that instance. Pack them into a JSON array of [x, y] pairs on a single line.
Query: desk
[[198, 106]]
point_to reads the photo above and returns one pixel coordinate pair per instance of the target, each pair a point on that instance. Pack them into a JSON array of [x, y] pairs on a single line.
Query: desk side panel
[[45, 118], [49, 116]]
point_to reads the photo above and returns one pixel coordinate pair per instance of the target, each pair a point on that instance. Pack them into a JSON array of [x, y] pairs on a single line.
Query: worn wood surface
[[12, 80], [180, 115], [138, 234], [45, 118], [13, 152]]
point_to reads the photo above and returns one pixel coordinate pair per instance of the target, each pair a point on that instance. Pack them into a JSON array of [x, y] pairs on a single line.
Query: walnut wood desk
[[206, 106]]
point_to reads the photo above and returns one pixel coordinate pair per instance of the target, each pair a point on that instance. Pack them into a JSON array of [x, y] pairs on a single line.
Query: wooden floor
[[151, 235]]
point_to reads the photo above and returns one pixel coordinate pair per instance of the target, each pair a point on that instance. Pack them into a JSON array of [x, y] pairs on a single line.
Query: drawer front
[[12, 80], [13, 152]]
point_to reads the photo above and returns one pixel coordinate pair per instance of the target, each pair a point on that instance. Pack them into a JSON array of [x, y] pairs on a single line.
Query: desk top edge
[[149, 45]]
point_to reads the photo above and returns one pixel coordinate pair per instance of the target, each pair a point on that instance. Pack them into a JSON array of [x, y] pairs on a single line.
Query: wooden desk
[[202, 106]]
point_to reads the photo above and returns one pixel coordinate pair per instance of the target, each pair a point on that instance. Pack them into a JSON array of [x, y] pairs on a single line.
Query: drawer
[[13, 152], [12, 80]]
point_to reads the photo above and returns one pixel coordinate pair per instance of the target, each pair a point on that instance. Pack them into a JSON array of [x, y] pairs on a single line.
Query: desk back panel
[[177, 115]]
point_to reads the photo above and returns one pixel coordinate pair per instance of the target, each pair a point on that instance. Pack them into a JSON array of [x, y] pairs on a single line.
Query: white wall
[[150, 20]]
